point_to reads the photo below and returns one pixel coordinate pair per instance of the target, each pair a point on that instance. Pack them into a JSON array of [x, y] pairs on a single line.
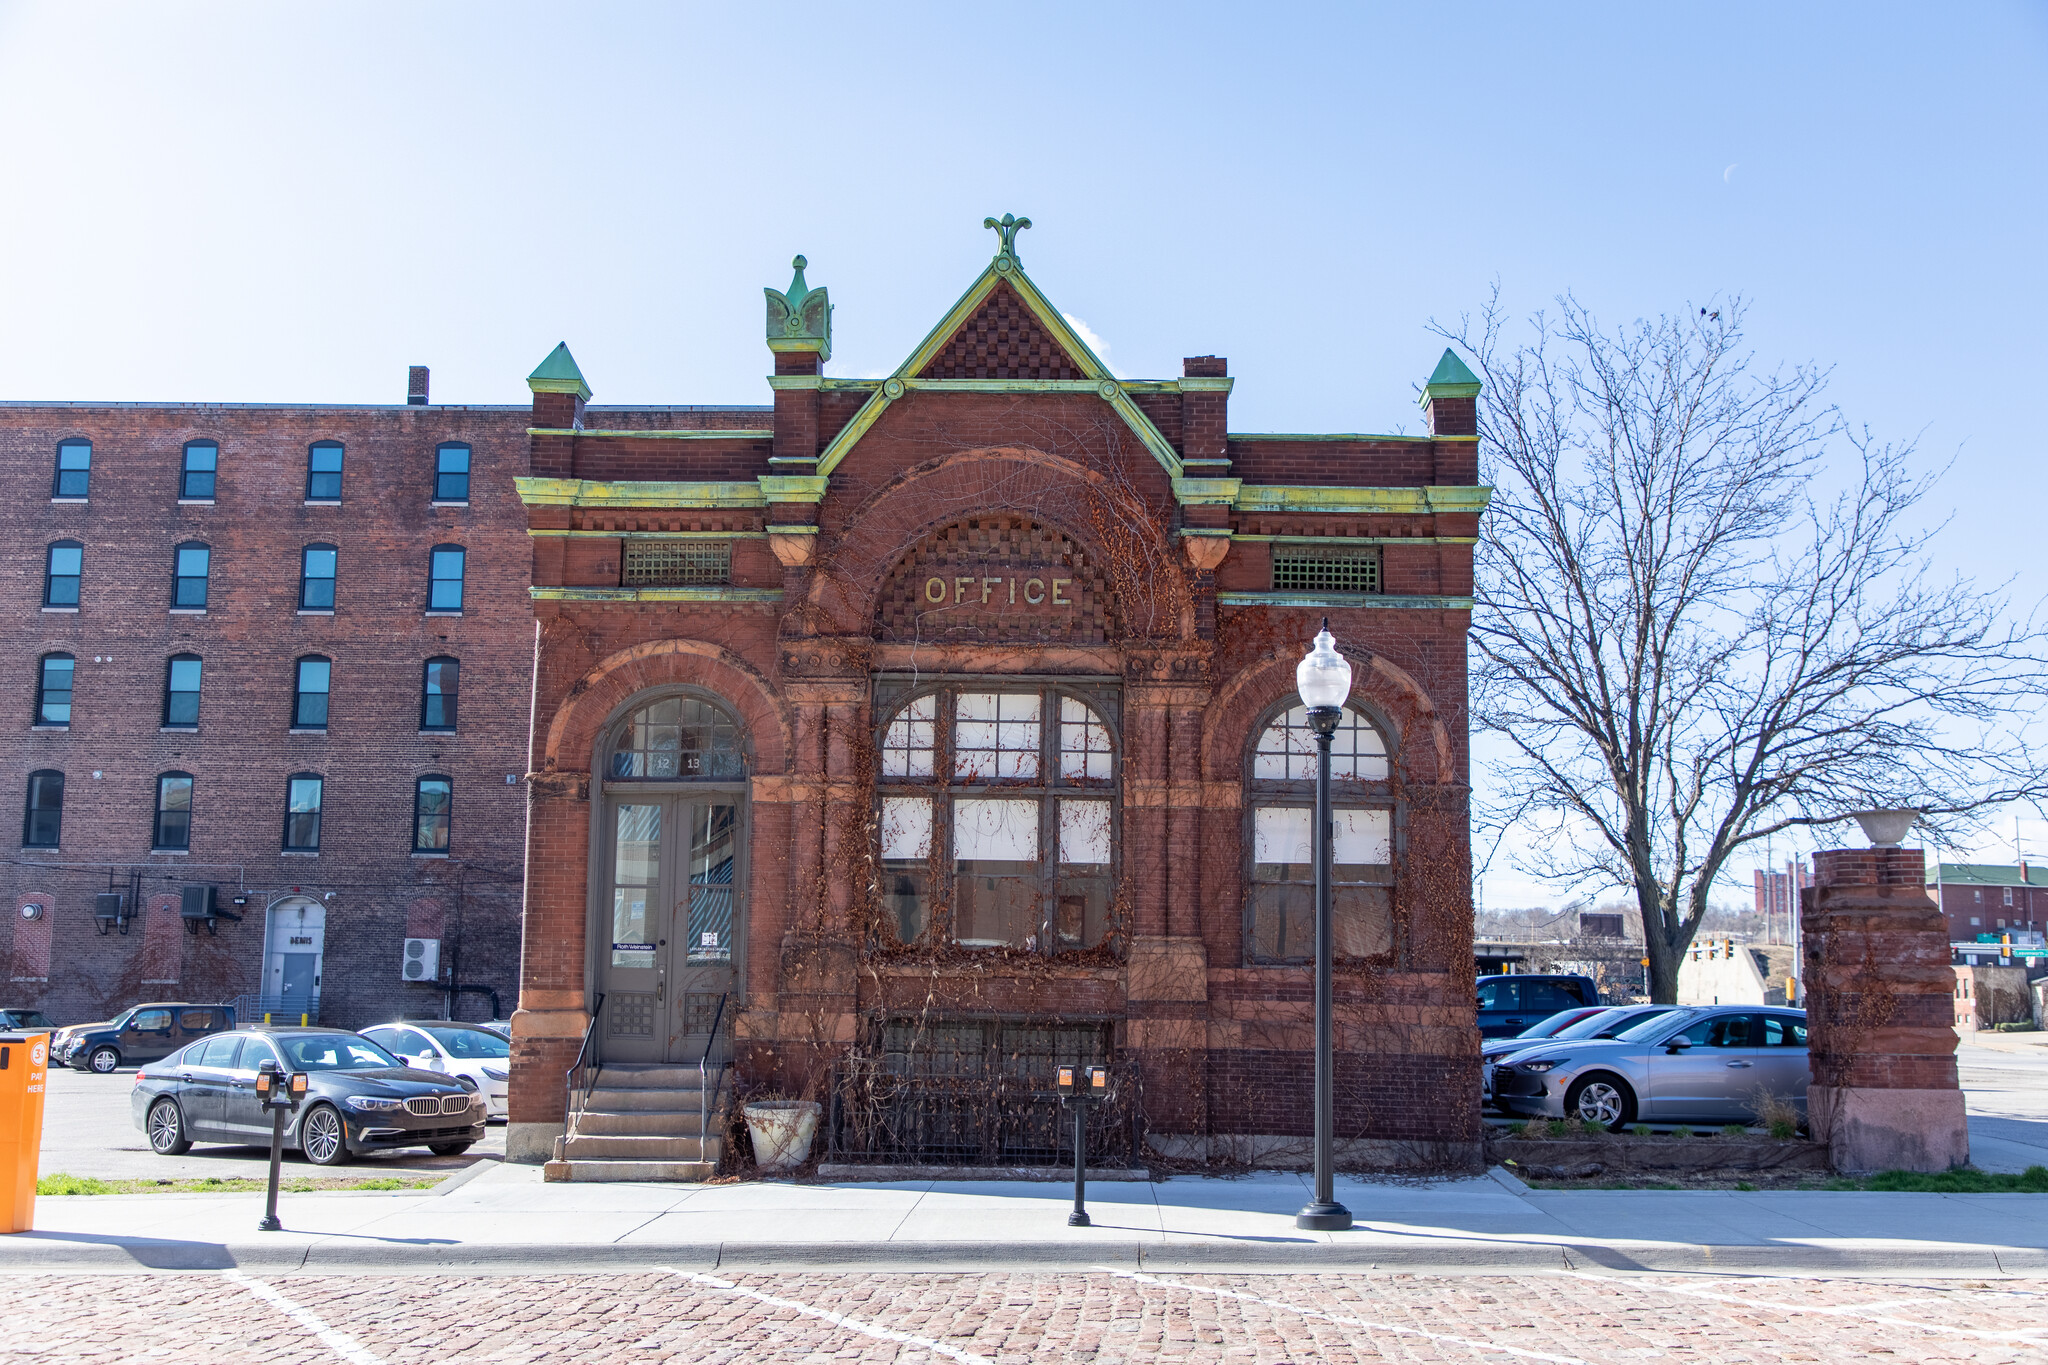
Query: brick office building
[[278, 651], [927, 730]]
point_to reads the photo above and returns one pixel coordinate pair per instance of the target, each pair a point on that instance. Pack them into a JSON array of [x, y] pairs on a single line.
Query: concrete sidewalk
[[504, 1218]]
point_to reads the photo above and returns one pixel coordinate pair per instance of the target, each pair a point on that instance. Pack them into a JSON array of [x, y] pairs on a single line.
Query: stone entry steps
[[641, 1122]]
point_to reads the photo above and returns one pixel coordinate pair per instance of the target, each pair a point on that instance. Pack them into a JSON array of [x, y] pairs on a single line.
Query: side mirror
[[1678, 1044]]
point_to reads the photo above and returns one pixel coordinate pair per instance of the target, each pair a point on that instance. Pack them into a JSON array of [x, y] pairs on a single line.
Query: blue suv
[[1509, 1004]]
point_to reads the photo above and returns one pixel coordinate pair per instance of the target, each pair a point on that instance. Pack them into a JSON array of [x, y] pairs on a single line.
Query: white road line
[[1397, 1329], [2031, 1336], [880, 1333], [341, 1343]]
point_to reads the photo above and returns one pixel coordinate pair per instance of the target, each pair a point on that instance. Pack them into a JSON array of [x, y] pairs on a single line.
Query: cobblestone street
[[233, 1318]]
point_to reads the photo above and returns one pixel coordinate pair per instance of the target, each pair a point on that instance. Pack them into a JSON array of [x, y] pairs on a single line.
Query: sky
[[269, 203]]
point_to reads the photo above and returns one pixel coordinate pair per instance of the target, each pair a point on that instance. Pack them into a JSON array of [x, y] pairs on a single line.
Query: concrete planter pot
[[782, 1131]]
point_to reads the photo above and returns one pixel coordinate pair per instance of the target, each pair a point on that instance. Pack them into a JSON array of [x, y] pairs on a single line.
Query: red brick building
[[272, 661], [927, 730]]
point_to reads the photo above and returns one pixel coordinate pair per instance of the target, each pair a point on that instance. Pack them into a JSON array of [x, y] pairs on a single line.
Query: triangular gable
[[1003, 305], [1003, 339]]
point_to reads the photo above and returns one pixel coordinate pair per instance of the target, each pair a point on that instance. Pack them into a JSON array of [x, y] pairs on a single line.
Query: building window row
[[312, 682], [199, 471], [305, 795], [192, 576]]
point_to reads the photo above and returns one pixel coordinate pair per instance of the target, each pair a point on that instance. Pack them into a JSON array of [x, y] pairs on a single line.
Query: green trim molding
[[1422, 499], [745, 596], [559, 374], [602, 493], [1320, 436], [1370, 601]]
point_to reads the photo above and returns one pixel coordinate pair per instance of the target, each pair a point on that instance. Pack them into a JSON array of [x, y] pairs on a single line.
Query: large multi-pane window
[[677, 739], [181, 692], [438, 684], [323, 471], [433, 801], [1280, 811], [74, 469], [53, 689], [42, 820], [193, 562], [302, 813], [316, 578], [202, 465], [309, 693], [173, 812], [63, 568], [444, 588], [451, 472], [998, 817]]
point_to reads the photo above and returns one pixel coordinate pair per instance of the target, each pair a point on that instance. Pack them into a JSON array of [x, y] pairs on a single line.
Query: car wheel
[[1601, 1098], [103, 1061], [166, 1127], [322, 1136], [448, 1148]]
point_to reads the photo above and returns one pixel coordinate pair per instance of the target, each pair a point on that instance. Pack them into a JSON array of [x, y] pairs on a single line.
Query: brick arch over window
[[600, 696], [997, 576], [1417, 738], [864, 550]]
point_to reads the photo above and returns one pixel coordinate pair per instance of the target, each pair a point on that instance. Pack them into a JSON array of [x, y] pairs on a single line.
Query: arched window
[[1280, 816], [196, 477], [451, 472], [192, 565], [998, 804], [63, 569], [323, 471], [74, 469], [444, 578], [677, 739], [53, 689], [42, 820], [173, 812], [316, 577]]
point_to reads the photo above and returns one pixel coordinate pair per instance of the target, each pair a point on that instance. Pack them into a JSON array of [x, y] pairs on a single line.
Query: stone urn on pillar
[[1879, 1012]]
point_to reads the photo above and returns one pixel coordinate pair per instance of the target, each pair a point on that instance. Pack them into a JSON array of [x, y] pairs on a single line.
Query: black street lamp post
[[1323, 679]]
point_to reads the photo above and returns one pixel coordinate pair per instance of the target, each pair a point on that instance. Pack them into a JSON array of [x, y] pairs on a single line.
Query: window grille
[[658, 562], [1320, 570]]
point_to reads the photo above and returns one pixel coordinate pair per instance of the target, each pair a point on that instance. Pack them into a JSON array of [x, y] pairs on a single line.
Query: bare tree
[[1705, 615]]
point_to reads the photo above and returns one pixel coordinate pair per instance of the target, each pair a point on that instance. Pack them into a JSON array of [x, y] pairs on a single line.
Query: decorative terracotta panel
[[996, 578], [1003, 340]]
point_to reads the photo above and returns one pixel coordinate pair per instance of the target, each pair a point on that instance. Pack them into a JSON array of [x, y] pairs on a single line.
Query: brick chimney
[[416, 386], [1204, 414]]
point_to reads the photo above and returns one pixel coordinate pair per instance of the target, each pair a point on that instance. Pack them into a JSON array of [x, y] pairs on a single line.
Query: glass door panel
[[707, 906], [631, 977]]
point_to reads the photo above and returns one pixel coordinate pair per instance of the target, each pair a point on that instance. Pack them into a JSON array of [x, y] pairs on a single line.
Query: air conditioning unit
[[195, 902], [110, 909], [422, 960]]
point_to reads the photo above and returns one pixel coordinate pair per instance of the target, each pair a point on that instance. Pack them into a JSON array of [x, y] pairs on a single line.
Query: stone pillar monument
[[1879, 1017]]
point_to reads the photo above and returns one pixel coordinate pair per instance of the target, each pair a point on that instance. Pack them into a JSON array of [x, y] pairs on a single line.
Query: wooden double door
[[670, 923]]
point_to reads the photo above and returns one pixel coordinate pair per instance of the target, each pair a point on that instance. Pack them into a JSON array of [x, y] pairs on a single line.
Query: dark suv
[[139, 1035], [1509, 1004]]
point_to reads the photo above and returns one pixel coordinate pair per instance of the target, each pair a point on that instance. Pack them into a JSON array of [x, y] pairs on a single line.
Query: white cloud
[[1094, 342]]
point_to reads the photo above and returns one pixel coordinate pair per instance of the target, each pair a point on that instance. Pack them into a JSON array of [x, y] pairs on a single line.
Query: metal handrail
[[588, 1052], [708, 1098]]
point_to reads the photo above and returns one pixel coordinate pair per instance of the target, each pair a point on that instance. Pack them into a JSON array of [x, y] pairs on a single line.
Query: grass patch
[[1734, 1130], [65, 1184], [2033, 1180], [1639, 1129], [1681, 1131], [1558, 1128]]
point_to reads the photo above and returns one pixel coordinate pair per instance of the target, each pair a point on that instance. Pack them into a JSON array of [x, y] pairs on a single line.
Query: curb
[[54, 1253]]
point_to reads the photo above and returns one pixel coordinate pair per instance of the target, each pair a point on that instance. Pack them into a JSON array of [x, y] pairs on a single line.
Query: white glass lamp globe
[[1323, 677]]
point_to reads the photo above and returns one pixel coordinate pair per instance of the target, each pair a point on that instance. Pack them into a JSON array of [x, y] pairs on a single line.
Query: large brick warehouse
[[895, 741]]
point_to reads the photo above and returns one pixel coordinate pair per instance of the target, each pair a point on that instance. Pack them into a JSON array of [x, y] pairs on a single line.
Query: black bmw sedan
[[359, 1097]]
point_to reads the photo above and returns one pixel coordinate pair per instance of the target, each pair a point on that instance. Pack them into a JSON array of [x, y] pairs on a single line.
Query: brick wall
[[377, 637]]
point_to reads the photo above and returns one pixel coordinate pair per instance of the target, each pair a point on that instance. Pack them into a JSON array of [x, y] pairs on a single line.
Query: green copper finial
[[1451, 379], [559, 374], [1008, 226], [799, 317]]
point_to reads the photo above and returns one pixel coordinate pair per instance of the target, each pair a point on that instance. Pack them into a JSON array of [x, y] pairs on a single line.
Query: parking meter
[[280, 1094], [1081, 1086], [24, 1078]]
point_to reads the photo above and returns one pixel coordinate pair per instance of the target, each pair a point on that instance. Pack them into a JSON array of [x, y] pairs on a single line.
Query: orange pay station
[[24, 1076]]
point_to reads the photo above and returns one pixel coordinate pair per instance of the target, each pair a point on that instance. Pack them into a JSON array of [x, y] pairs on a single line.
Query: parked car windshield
[[1593, 1025], [334, 1052], [120, 1020], [470, 1043], [1655, 1026], [1548, 1026]]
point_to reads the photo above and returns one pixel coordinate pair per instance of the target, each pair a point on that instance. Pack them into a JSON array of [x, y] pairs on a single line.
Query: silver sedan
[[1689, 1066]]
